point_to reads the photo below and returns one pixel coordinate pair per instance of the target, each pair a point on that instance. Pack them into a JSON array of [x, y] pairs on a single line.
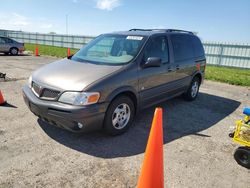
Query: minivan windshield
[[111, 49]]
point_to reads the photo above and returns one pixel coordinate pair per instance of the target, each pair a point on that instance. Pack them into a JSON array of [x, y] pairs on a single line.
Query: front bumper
[[64, 115]]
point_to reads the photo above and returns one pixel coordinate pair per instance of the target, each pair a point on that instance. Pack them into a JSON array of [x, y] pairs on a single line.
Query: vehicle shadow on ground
[[181, 118]]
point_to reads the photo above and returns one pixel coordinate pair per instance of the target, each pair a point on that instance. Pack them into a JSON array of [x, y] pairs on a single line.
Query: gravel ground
[[197, 149]]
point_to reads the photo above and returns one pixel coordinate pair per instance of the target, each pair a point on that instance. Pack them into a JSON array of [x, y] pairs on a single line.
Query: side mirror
[[152, 62]]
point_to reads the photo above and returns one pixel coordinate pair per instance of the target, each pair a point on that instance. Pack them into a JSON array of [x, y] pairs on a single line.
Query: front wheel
[[119, 116], [13, 51], [193, 89]]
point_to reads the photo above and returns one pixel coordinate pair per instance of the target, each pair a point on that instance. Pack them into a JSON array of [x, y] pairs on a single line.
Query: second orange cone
[[36, 51], [68, 52], [152, 175], [2, 101]]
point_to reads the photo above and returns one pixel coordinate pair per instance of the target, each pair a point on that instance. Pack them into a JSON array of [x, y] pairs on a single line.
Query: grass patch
[[234, 76], [50, 50]]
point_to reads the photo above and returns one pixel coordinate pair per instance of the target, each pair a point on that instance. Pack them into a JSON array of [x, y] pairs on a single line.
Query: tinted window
[[157, 47], [5, 40], [198, 48], [8, 40], [183, 47], [2, 41]]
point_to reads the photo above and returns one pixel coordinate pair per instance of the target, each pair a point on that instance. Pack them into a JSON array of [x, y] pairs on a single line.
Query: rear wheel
[[13, 51], [242, 156], [193, 89], [119, 116]]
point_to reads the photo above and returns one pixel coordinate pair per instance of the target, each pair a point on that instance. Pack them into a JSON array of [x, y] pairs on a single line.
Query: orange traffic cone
[[68, 52], [2, 101], [152, 175], [36, 51]]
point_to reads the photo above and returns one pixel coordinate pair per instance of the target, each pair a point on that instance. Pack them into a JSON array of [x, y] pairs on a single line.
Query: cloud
[[15, 21], [18, 20], [108, 4], [18, 16], [46, 26]]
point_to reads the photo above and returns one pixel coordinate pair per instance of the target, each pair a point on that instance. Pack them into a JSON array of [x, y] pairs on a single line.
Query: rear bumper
[[64, 115], [21, 49]]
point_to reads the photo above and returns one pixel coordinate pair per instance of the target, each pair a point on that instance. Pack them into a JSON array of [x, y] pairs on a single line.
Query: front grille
[[49, 93], [44, 93]]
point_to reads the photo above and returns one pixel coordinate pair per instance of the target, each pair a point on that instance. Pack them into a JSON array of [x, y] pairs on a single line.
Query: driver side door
[[2, 45]]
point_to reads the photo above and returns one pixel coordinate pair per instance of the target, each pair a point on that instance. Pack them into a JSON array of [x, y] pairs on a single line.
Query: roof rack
[[141, 29], [165, 30], [180, 31]]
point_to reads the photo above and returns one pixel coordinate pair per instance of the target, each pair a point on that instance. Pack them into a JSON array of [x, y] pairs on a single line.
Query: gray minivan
[[10, 46], [115, 75]]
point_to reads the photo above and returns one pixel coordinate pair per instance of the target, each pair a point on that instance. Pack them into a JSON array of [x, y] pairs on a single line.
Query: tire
[[119, 116], [14, 51], [193, 89], [242, 156]]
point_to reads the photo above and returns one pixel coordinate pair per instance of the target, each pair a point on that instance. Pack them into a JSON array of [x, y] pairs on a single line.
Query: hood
[[71, 75]]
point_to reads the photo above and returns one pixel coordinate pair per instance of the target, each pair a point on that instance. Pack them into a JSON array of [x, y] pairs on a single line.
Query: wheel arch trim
[[124, 90]]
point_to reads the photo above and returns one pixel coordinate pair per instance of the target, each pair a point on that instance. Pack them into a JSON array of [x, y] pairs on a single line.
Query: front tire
[[119, 116], [193, 89], [14, 51]]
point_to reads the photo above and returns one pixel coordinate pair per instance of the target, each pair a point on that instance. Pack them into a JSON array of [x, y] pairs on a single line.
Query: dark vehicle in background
[[106, 82], [10, 46]]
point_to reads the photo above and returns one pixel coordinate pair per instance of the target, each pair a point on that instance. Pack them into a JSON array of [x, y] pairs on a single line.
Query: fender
[[120, 90], [199, 73], [123, 89]]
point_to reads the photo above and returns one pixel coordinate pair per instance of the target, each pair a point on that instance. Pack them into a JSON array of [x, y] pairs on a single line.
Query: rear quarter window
[[198, 47], [2, 41]]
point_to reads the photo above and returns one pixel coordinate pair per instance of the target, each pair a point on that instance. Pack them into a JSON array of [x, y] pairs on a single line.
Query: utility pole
[[67, 24], [67, 35]]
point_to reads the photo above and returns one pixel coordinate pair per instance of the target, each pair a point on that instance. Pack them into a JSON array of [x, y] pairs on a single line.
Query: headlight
[[30, 81], [79, 98]]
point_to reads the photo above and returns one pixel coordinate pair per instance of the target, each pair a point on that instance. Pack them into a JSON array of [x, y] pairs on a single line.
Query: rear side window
[[6, 40], [183, 47], [157, 47], [2, 41], [198, 48]]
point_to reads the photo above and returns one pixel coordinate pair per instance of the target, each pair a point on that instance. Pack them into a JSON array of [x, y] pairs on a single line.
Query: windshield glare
[[110, 49]]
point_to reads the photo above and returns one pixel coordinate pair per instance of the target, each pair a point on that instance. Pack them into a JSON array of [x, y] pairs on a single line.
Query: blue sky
[[214, 20]]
